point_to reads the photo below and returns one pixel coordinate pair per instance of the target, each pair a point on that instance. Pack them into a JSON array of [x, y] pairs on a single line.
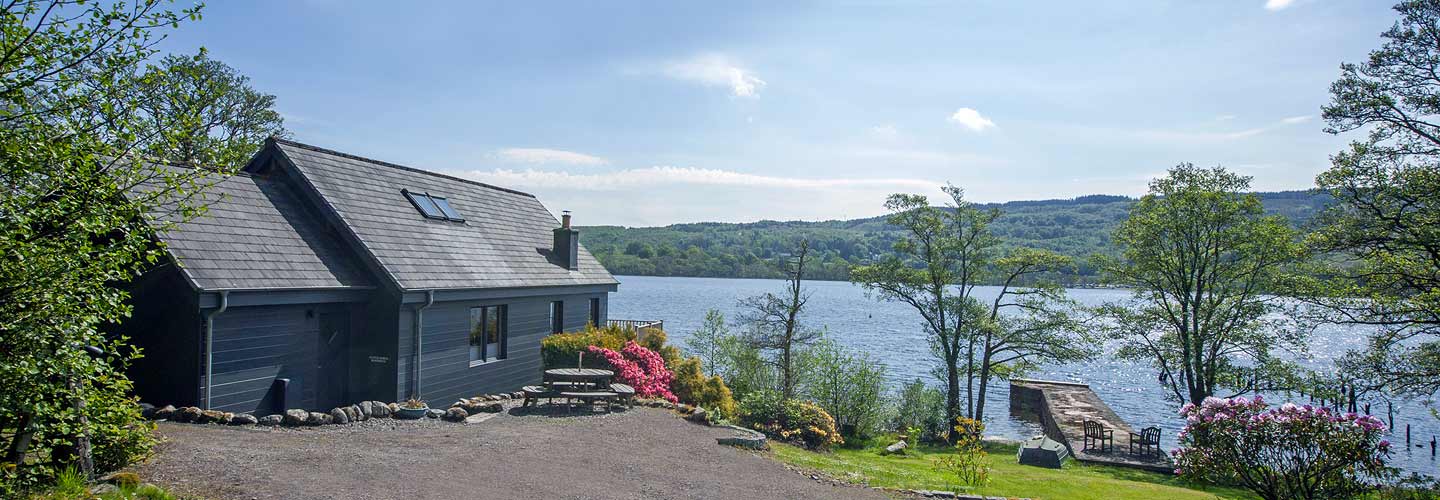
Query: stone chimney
[[567, 243]]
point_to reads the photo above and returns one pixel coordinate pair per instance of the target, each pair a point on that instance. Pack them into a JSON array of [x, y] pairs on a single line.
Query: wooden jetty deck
[[1062, 409]]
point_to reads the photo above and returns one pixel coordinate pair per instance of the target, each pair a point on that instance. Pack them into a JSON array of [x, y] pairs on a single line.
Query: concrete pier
[[1062, 409]]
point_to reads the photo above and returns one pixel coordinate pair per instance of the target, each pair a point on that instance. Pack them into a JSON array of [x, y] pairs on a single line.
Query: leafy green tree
[[849, 385], [1200, 255], [942, 256], [707, 342], [202, 112], [1028, 325], [919, 406], [774, 322], [1386, 219], [82, 204]]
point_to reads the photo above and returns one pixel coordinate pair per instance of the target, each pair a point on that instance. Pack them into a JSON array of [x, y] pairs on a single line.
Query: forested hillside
[[1077, 227]]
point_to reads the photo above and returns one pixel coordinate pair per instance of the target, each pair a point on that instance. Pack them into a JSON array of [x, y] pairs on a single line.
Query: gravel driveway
[[639, 453]]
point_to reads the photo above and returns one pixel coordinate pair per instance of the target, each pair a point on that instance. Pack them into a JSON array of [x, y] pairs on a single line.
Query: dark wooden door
[[332, 360]]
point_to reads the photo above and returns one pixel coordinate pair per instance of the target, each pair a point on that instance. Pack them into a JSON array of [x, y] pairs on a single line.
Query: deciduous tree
[[1201, 256], [1385, 223]]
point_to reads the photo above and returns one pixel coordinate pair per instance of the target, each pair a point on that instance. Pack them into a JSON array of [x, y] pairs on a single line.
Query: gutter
[[419, 340], [210, 343]]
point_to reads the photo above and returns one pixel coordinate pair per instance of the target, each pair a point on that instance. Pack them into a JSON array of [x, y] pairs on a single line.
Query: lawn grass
[[916, 470]]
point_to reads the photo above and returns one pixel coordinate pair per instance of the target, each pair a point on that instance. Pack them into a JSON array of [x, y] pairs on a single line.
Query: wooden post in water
[[1432, 446], [1407, 435], [1390, 410]]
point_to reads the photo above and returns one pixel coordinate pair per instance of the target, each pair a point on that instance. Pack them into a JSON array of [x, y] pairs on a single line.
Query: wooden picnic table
[[592, 376]]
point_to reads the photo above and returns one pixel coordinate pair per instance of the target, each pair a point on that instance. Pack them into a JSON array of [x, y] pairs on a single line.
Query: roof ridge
[[395, 165]]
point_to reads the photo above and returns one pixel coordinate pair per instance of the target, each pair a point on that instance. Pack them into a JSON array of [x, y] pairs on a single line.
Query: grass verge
[[1075, 481]]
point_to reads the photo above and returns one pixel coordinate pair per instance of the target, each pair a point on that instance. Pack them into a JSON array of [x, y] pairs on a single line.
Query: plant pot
[[411, 413]]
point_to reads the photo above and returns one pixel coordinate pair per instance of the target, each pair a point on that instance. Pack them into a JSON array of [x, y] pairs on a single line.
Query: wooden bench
[[627, 393], [1097, 434], [589, 398], [1148, 440], [534, 393]]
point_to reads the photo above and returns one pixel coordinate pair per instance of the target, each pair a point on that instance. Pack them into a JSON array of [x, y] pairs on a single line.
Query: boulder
[[210, 417], [495, 407], [243, 419], [379, 410], [455, 415], [104, 489], [434, 413], [393, 408], [315, 418], [685, 409], [896, 448], [296, 417], [147, 411], [359, 414], [349, 412], [699, 416], [189, 414], [517, 395], [338, 416], [503, 396], [270, 420], [165, 412]]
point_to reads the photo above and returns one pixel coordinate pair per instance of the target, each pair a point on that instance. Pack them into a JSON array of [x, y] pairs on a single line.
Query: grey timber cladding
[[448, 374], [258, 234], [505, 240]]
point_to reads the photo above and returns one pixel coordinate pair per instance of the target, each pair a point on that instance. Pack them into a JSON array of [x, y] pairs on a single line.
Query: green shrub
[[692, 386], [920, 407], [745, 368], [789, 420], [657, 340], [849, 385], [562, 350]]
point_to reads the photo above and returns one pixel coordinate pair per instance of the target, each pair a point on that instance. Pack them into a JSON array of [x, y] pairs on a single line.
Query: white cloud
[[667, 175], [1296, 119], [717, 70], [971, 119], [1273, 5], [1224, 118], [543, 155]]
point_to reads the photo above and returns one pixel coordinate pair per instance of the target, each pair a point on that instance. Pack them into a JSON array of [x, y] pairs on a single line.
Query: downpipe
[[210, 344], [420, 341]]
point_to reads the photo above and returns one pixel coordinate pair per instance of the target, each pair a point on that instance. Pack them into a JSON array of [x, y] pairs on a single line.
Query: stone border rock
[[458, 411], [744, 438]]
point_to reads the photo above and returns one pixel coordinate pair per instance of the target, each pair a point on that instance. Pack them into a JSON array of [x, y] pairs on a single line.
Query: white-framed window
[[488, 332]]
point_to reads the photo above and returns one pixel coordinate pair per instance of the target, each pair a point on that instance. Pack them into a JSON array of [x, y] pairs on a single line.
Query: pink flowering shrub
[[640, 368], [1288, 452]]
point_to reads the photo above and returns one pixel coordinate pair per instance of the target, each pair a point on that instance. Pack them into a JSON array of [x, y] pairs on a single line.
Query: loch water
[[892, 332]]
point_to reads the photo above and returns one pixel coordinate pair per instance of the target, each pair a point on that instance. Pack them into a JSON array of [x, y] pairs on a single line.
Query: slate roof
[[505, 240], [257, 234]]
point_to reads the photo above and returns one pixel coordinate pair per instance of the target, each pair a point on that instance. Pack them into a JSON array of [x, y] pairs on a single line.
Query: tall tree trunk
[[969, 377], [984, 385]]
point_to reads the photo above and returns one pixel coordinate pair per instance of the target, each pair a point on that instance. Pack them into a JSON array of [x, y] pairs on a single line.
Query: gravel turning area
[[636, 453]]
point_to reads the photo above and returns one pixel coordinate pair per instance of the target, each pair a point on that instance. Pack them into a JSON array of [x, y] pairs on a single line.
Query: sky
[[652, 113]]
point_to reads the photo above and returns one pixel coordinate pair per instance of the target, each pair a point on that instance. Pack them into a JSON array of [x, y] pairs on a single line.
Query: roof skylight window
[[433, 207]]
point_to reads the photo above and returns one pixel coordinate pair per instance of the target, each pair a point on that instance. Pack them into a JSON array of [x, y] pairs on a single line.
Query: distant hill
[[1077, 227]]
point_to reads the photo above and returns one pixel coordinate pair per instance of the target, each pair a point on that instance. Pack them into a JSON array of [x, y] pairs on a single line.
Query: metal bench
[[627, 393], [589, 398], [1148, 440], [1095, 433]]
